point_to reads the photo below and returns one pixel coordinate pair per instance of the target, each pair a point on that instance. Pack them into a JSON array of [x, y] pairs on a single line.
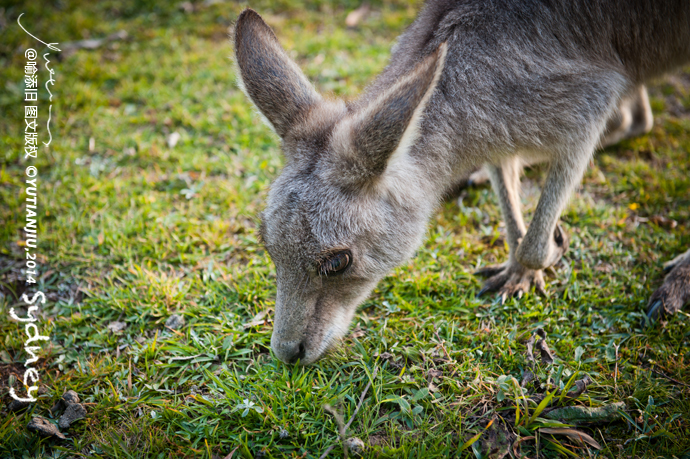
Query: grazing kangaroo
[[632, 118], [469, 83]]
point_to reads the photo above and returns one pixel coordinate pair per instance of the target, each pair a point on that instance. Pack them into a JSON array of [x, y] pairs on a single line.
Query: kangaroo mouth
[[307, 328], [318, 338]]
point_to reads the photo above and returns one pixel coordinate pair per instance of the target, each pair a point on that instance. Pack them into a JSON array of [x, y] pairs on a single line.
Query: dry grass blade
[[574, 434], [341, 429], [517, 444]]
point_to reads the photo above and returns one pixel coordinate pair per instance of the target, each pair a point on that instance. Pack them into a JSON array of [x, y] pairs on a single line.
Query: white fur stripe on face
[[400, 156], [371, 141]]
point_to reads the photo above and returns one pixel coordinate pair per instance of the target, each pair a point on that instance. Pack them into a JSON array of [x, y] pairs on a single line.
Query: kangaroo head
[[347, 207]]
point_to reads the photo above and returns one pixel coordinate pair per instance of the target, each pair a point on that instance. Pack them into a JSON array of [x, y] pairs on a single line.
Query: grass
[[133, 230]]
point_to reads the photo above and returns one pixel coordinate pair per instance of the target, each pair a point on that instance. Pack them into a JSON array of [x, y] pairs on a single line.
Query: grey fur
[[633, 117], [469, 83], [675, 291]]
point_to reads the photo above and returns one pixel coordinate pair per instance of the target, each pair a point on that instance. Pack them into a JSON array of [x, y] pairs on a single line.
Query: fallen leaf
[[45, 428], [572, 433], [355, 446], [5, 357], [355, 16], [357, 332], [434, 373], [175, 321], [116, 327], [579, 387], [173, 139], [527, 377], [587, 415], [257, 320], [496, 441], [92, 43], [184, 357], [530, 350], [546, 355], [186, 7], [663, 221]]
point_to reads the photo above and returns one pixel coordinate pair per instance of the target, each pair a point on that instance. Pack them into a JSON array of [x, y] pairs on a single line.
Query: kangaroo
[[632, 118], [469, 83]]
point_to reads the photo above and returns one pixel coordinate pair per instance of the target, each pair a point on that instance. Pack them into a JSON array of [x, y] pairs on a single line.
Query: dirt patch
[[497, 440], [56, 284], [379, 440], [5, 371]]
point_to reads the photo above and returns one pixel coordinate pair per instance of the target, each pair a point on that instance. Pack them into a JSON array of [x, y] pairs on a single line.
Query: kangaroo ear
[[384, 129], [268, 76]]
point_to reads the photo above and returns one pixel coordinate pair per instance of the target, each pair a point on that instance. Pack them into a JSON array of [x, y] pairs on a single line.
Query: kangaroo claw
[[674, 292], [511, 280], [492, 270]]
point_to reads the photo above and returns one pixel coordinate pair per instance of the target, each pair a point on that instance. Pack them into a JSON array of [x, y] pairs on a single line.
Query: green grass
[[132, 230]]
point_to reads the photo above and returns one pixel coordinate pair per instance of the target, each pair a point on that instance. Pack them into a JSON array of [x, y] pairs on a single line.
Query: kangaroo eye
[[336, 263]]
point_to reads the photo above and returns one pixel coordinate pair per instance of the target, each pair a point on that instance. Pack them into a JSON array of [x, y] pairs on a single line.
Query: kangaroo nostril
[[298, 354]]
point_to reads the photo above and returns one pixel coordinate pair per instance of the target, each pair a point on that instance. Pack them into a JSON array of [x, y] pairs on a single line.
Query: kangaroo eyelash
[[335, 263]]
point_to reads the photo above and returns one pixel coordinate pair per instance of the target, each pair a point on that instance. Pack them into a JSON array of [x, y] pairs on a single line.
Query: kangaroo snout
[[308, 326], [288, 351], [294, 315]]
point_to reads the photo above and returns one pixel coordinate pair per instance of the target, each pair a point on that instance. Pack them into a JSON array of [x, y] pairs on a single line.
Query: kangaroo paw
[[674, 292], [541, 256], [511, 279], [561, 242]]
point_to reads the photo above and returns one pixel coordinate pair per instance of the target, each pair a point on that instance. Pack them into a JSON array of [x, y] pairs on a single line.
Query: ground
[[135, 228]]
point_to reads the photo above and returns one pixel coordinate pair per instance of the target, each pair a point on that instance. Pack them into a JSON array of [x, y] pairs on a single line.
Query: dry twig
[[342, 429]]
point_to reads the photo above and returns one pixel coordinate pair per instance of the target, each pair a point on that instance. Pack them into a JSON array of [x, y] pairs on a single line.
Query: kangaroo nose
[[290, 351]]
